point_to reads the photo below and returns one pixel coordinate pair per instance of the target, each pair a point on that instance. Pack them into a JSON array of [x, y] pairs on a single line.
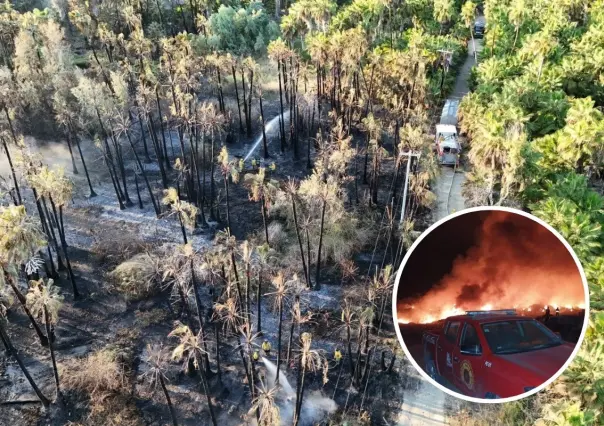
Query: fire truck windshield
[[514, 336]]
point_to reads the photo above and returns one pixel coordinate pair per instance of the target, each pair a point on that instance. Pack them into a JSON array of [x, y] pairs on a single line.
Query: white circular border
[[395, 312]]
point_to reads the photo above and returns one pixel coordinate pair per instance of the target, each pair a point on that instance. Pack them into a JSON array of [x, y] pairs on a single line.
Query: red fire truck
[[493, 354]]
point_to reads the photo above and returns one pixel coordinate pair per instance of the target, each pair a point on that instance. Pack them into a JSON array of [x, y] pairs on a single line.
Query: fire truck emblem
[[467, 375]]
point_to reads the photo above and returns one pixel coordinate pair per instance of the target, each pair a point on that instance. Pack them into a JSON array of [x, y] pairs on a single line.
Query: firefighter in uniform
[[337, 355], [547, 313], [557, 311], [256, 356], [266, 347]]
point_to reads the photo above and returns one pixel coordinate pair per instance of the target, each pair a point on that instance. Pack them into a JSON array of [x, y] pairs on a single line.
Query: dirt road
[[449, 184], [428, 405]]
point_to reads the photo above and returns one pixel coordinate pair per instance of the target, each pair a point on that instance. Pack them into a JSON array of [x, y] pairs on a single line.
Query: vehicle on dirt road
[[479, 29], [447, 146], [493, 354]]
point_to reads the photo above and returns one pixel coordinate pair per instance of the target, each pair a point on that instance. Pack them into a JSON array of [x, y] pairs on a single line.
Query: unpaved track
[[427, 404]]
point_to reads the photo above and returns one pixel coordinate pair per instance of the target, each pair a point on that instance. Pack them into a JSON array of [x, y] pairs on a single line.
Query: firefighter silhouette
[[557, 311], [547, 313]]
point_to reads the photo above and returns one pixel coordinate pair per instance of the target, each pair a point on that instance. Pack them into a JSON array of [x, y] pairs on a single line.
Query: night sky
[[491, 257], [433, 258]]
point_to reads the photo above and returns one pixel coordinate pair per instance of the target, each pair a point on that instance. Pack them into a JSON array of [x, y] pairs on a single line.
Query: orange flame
[[515, 263]]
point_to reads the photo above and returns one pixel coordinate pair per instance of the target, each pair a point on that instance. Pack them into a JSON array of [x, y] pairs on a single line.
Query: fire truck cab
[[494, 354]]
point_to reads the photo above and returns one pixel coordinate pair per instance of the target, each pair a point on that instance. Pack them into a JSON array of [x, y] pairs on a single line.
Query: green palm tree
[[582, 233], [468, 14]]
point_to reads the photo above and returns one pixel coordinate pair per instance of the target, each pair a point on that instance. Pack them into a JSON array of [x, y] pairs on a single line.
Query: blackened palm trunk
[[12, 351], [206, 359], [300, 393], [52, 352], [318, 274], [159, 152], [366, 159], [248, 124], [258, 303], [217, 353], [349, 346], [392, 361], [147, 184], [306, 274], [50, 232], [212, 180], [290, 340], [12, 169], [122, 169], [237, 96], [264, 142], [163, 130], [206, 390], [264, 218], [249, 105], [228, 207], [74, 169], [168, 400], [281, 117], [142, 129], [340, 368], [248, 285], [182, 229], [220, 94], [279, 340], [77, 142], [76, 293], [138, 192]]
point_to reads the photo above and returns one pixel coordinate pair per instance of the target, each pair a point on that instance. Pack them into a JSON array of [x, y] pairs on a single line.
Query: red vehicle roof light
[[492, 312]]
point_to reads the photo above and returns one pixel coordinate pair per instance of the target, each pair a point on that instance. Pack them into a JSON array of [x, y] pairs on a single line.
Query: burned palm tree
[[247, 347], [185, 211], [20, 239], [190, 349], [157, 364], [308, 360], [265, 406], [281, 290], [262, 191], [230, 172], [292, 190], [45, 302]]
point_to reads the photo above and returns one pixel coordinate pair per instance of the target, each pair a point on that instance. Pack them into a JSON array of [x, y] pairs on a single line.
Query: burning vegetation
[[515, 262]]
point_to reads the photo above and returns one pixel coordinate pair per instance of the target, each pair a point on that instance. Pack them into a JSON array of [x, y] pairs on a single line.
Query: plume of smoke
[[516, 262]]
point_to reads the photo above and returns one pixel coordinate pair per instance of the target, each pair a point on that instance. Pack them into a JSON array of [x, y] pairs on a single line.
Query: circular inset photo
[[491, 304]]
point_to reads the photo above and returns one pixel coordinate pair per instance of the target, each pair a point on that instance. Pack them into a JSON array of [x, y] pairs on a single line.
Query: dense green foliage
[[241, 30], [536, 134]]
